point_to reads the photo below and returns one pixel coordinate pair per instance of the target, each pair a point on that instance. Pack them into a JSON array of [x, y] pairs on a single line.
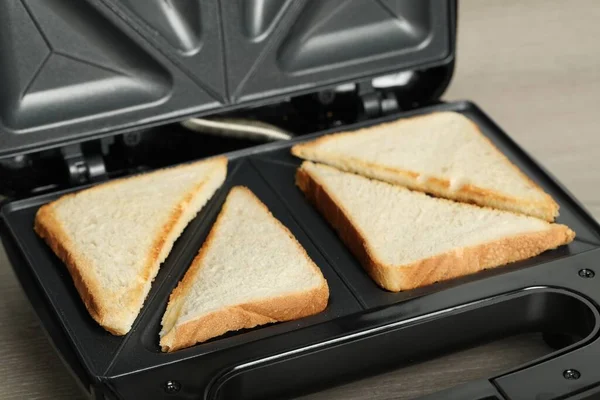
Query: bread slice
[[442, 153], [406, 239], [250, 271], [114, 236]]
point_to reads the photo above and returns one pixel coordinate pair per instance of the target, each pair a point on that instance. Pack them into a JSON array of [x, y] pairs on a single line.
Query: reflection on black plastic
[[367, 323], [394, 345]]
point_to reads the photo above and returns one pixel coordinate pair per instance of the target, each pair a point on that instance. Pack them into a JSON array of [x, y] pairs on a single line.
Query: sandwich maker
[[98, 89]]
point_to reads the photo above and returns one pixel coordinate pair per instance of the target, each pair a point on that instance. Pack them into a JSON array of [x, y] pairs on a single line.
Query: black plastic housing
[[363, 330], [76, 70]]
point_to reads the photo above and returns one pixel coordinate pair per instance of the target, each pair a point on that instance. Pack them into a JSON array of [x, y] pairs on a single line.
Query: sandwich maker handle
[[561, 374]]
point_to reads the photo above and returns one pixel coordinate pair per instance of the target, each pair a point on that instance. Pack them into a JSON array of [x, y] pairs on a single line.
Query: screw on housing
[[172, 387], [586, 273], [571, 374]]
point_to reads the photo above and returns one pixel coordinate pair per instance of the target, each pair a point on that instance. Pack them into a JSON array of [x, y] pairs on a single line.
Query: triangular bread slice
[[250, 271], [405, 239], [114, 236], [442, 153]]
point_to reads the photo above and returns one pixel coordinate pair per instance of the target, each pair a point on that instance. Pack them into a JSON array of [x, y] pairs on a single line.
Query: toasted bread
[[406, 239], [114, 236], [442, 153], [250, 271]]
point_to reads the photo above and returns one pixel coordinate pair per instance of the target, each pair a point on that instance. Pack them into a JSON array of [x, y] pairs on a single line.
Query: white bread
[[114, 236], [250, 271], [442, 153], [406, 239]]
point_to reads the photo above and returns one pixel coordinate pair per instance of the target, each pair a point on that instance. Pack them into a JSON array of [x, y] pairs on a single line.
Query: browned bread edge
[[449, 265], [49, 228], [547, 209], [241, 316]]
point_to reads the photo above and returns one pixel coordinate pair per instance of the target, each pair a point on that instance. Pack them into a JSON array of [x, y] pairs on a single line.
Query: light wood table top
[[534, 66]]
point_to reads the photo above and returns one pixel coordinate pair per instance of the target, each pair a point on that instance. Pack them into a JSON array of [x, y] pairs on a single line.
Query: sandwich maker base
[[363, 330], [138, 68]]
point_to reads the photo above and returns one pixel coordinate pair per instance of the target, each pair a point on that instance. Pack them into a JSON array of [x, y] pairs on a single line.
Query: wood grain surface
[[534, 66]]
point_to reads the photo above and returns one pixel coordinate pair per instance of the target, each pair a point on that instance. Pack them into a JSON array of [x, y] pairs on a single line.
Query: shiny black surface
[[361, 319], [134, 64]]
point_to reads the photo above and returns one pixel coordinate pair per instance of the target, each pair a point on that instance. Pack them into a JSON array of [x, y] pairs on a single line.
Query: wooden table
[[534, 66]]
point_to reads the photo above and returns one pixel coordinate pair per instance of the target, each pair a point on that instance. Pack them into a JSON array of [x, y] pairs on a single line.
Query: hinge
[[376, 103], [83, 168]]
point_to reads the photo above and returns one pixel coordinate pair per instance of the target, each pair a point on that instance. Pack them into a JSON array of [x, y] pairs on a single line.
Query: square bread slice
[[250, 271], [406, 239], [441, 153], [114, 236]]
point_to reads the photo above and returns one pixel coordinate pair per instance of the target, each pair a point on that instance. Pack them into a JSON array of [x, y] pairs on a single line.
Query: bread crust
[[248, 315], [50, 229], [445, 266], [546, 209], [243, 316], [112, 319]]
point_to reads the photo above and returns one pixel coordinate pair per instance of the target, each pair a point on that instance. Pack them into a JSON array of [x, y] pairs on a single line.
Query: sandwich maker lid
[[78, 70]]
